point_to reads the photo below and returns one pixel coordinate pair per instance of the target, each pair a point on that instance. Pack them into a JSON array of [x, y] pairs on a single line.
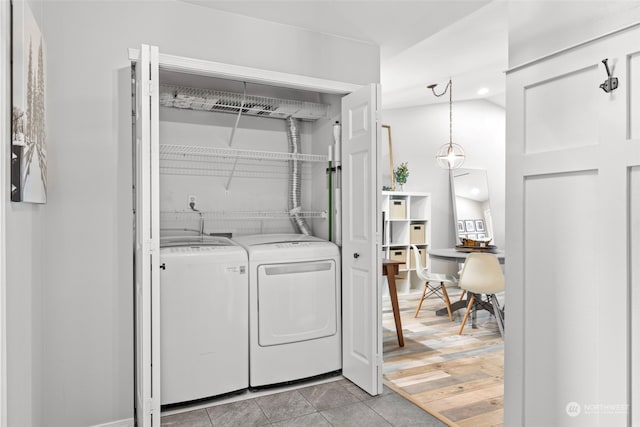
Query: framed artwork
[[482, 236], [461, 227], [479, 225], [28, 82], [470, 225], [472, 236]]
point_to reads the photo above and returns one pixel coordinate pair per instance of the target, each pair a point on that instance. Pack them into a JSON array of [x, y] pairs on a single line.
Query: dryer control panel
[[290, 245]]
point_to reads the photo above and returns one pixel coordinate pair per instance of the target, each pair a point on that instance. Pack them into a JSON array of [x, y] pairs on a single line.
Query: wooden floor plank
[[467, 387], [488, 419]]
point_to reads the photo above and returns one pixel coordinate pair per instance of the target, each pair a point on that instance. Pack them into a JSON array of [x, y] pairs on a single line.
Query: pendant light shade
[[449, 156]]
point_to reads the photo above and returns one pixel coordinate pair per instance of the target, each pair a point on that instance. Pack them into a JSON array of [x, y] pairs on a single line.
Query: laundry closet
[[288, 166]]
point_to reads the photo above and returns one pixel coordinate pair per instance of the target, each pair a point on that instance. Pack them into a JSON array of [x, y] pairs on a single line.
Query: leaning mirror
[[471, 209], [387, 156]]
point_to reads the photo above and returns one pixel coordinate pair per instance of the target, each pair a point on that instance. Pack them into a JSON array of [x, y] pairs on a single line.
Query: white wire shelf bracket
[[237, 215], [201, 153], [230, 102]]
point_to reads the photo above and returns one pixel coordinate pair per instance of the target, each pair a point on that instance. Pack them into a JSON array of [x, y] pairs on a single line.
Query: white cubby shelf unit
[[406, 222]]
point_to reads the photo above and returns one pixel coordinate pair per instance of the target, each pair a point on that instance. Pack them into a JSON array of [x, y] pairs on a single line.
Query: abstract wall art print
[[28, 136]]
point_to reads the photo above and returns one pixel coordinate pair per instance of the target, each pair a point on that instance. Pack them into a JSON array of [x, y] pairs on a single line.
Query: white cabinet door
[[570, 185], [147, 252], [361, 269]]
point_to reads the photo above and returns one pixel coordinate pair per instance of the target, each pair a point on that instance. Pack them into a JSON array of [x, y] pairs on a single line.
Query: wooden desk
[[390, 269]]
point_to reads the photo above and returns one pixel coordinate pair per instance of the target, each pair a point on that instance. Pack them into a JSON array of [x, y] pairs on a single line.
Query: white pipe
[[337, 202], [295, 178]]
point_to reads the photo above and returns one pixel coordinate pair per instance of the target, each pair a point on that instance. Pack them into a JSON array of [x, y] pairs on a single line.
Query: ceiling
[[421, 41], [429, 41]]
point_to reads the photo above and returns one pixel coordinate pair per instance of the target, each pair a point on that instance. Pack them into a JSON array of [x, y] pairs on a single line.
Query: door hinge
[[148, 406], [150, 88]]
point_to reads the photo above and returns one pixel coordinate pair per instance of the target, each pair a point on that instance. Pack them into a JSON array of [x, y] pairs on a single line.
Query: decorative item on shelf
[[476, 245], [401, 173], [449, 156]]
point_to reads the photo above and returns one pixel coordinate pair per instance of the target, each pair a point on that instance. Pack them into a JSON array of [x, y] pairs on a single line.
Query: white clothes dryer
[[204, 324], [294, 307]]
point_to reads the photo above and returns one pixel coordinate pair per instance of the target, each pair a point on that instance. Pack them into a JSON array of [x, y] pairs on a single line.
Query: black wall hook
[[611, 83]]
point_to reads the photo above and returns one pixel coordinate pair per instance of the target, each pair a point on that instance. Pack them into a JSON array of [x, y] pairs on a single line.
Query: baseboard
[[119, 423]]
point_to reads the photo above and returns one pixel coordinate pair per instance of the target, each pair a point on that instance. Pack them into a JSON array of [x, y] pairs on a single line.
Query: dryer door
[[296, 302]]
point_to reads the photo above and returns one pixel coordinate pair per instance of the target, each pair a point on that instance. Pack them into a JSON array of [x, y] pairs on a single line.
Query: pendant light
[[449, 156]]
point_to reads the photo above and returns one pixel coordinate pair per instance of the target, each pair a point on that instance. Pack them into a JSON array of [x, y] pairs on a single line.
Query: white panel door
[[362, 269], [147, 251], [571, 150], [634, 297]]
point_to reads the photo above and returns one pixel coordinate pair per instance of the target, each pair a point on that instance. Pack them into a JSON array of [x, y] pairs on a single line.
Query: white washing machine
[[294, 307], [204, 324]]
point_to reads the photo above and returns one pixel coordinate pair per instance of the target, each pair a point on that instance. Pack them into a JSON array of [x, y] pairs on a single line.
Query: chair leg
[[424, 291], [466, 314], [446, 300], [462, 295], [498, 314]]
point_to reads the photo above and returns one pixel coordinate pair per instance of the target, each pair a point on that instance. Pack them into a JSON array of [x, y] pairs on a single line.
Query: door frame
[[180, 64]]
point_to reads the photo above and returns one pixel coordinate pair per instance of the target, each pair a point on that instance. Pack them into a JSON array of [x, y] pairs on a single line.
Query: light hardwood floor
[[457, 378]]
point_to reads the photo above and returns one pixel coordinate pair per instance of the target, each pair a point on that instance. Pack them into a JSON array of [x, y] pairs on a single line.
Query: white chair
[[428, 277], [481, 274]]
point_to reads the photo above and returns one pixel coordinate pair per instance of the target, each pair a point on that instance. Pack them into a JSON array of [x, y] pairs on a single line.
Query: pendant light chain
[[449, 87]]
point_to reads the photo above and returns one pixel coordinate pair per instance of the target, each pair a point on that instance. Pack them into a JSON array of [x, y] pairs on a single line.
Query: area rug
[[456, 378]]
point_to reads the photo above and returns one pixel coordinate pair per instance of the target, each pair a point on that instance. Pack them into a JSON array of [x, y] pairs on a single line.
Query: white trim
[[120, 423], [574, 46], [5, 109], [248, 74]]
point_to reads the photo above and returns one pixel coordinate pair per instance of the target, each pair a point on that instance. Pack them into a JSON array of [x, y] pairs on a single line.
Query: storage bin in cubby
[[416, 234], [397, 209], [423, 257], [398, 255]]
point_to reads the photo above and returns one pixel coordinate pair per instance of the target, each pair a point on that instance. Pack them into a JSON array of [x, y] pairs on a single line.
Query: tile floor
[[336, 403]]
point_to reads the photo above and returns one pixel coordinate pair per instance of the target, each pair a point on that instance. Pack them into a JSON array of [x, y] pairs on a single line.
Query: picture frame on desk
[[461, 226], [479, 225], [470, 225], [472, 236]]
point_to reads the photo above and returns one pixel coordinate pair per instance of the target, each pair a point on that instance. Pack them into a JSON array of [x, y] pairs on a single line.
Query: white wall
[[69, 276], [255, 186], [538, 28], [418, 132]]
